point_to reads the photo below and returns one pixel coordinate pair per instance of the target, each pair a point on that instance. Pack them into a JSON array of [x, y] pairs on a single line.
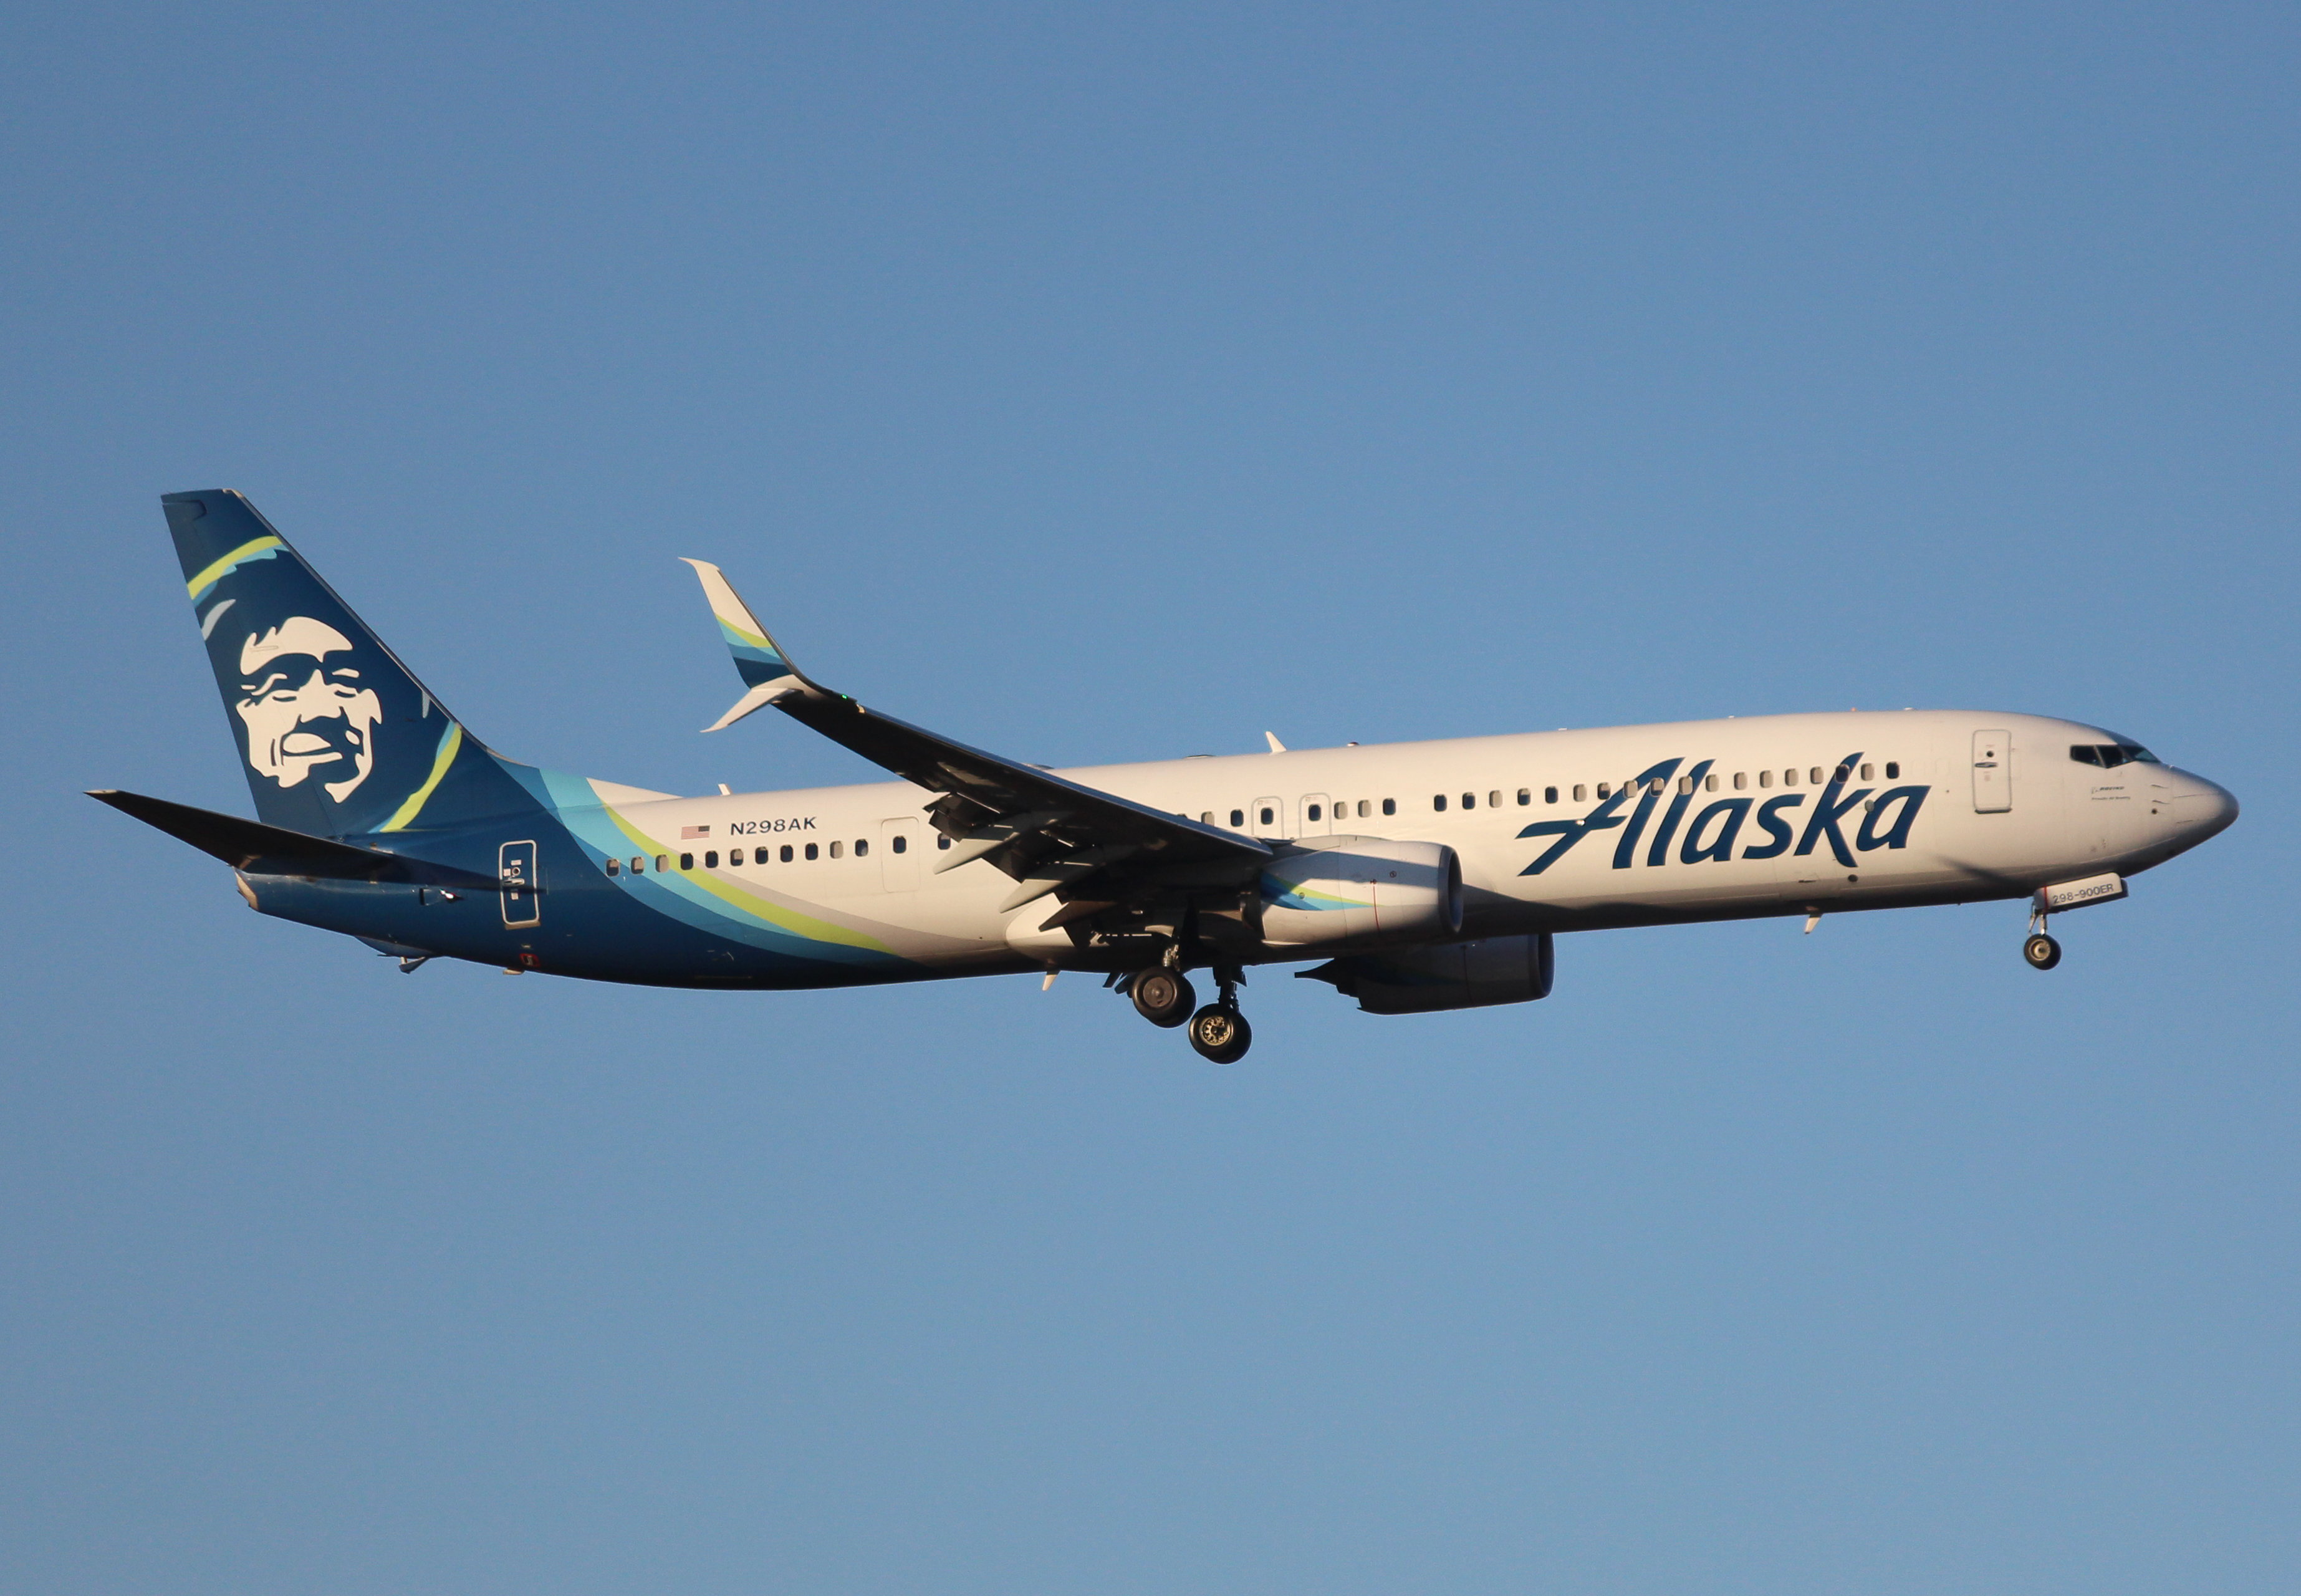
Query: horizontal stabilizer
[[259, 849]]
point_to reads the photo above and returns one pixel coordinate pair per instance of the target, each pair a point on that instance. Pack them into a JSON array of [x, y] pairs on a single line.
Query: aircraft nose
[[2202, 809]]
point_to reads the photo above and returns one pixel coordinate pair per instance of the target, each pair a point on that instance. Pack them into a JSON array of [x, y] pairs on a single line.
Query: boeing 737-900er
[[1417, 876]]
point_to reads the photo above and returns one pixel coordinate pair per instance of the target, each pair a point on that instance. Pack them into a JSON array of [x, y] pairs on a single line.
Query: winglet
[[1276, 746], [766, 671]]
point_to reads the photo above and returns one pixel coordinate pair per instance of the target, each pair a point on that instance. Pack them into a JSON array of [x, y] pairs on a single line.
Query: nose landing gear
[[2041, 950]]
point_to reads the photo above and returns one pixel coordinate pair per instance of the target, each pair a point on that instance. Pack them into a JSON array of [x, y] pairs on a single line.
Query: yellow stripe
[[439, 763], [214, 573], [755, 907]]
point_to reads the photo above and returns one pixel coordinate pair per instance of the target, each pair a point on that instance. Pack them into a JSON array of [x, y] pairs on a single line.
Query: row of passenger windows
[[1267, 815], [637, 864], [1314, 813], [1815, 775], [1366, 808]]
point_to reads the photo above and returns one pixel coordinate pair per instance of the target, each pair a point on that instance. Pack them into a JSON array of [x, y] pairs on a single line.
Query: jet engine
[[1458, 975], [1357, 889]]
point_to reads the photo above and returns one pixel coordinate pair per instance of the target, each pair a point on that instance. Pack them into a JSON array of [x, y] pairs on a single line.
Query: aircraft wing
[[1042, 830]]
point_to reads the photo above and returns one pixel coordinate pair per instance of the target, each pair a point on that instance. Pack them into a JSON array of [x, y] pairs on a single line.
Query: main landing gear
[[1219, 1032], [1162, 997]]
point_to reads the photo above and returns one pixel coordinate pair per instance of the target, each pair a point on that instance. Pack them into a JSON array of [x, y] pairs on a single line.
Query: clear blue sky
[[1098, 383]]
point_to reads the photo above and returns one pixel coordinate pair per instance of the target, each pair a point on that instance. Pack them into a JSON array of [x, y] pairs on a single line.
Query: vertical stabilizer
[[338, 738]]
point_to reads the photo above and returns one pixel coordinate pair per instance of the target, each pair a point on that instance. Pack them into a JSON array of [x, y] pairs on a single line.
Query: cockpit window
[[2109, 755]]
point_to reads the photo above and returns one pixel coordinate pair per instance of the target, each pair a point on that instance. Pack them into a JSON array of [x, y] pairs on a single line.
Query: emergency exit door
[[1993, 772]]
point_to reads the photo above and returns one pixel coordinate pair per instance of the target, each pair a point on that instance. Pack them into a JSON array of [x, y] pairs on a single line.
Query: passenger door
[[1993, 772], [516, 862]]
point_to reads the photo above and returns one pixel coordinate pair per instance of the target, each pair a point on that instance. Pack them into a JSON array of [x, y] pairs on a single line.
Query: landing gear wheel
[[1163, 997], [2042, 952], [1221, 1034]]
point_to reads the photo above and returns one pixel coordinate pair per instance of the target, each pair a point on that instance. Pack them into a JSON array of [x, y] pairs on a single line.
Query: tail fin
[[338, 738]]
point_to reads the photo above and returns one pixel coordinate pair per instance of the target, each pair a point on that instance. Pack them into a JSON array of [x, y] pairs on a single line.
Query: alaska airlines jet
[[1416, 876]]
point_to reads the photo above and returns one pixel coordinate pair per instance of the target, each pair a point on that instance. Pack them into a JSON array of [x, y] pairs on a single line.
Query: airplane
[[1413, 877]]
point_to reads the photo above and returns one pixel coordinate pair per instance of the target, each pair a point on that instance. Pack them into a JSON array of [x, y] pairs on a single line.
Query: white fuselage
[[1934, 806]]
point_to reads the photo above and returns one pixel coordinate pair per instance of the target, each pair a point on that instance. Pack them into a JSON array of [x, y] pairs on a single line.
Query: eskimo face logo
[[307, 711]]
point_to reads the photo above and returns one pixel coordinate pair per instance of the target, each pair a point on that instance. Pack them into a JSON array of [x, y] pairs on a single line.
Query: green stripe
[[751, 906], [440, 761], [215, 573]]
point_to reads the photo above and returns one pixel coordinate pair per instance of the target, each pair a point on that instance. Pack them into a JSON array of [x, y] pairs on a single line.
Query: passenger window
[[662, 862], [1581, 793], [1206, 817], [1389, 806], [901, 844], [838, 850], [687, 861], [1893, 771], [1741, 780], [1684, 785], [862, 847], [1765, 778], [787, 852], [711, 860], [1709, 783], [1438, 800], [1605, 789], [1867, 771], [1550, 795], [758, 855], [1789, 778], [1469, 800], [1814, 775], [614, 865], [1269, 817], [1365, 808], [1525, 797], [1494, 799], [942, 841], [1237, 817], [1311, 813], [810, 850], [638, 864], [1842, 772]]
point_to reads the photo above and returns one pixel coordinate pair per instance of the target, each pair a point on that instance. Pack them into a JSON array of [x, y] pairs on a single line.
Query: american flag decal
[[690, 833]]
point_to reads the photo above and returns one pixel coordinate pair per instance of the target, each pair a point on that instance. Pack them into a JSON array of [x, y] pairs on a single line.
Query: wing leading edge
[[1049, 833]]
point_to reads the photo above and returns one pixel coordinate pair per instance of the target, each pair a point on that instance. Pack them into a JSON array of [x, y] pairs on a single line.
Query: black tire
[[2042, 952], [1163, 997], [1220, 1035]]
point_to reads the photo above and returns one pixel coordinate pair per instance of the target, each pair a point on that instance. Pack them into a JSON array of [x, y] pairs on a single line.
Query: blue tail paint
[[338, 738]]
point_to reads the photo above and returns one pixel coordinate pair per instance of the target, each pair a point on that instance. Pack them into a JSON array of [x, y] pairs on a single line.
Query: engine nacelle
[[1459, 975], [1359, 888]]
